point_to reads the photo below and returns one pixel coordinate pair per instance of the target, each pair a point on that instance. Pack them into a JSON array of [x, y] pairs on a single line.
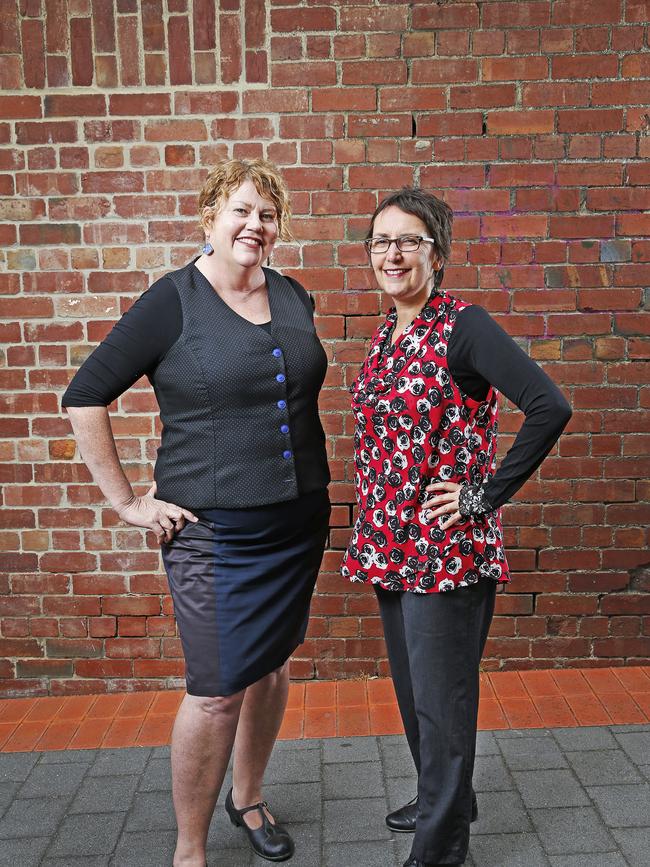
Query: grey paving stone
[[400, 790], [161, 752], [500, 813], [623, 806], [302, 744], [588, 738], [634, 844], [515, 734], [352, 780], [31, 816], [111, 763], [104, 795], [145, 849], [307, 837], [7, 792], [636, 727], [350, 750], [486, 744], [636, 745], [23, 853], [557, 788], [157, 776], [491, 774], [299, 802], [228, 858], [645, 770], [403, 844], [532, 753], [53, 780], [88, 834], [370, 854], [350, 821], [603, 768], [222, 834], [86, 861], [397, 760], [16, 767], [572, 830], [62, 757], [606, 859], [151, 811], [507, 850], [297, 767]]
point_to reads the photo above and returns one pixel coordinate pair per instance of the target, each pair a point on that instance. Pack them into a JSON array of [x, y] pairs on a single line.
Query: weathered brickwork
[[529, 118]]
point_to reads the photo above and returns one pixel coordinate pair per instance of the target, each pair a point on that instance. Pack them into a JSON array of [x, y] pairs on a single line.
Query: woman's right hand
[[163, 518]]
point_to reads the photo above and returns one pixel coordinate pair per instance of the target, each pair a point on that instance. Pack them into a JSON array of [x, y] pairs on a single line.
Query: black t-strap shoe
[[269, 841]]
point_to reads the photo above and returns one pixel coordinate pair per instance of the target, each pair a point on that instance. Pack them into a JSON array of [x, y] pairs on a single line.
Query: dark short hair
[[436, 215]]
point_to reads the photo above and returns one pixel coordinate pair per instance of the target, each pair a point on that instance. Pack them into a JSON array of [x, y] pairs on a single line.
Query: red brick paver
[[509, 699]]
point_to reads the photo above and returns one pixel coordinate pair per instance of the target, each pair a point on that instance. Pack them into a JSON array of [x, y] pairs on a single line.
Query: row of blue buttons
[[282, 404]]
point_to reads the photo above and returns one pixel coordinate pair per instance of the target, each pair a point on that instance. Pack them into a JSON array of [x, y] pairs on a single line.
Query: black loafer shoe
[[402, 821], [270, 841]]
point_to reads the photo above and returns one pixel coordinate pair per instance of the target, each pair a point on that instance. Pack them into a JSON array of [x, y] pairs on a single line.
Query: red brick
[[442, 124], [129, 49], [520, 122], [178, 39], [433, 17], [82, 51], [590, 120], [339, 99], [584, 12], [303, 20], [42, 133], [514, 69], [585, 66], [10, 72], [139, 104], [555, 94], [582, 227], [442, 71], [372, 20], [483, 96], [63, 105]]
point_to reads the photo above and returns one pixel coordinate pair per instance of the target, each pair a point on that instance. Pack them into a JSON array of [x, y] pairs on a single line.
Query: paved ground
[[576, 797]]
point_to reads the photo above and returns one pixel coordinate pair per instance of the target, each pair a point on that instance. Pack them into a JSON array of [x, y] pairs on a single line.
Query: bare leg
[[259, 724], [202, 741]]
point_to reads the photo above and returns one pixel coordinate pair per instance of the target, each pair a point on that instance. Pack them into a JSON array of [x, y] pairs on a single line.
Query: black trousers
[[435, 642]]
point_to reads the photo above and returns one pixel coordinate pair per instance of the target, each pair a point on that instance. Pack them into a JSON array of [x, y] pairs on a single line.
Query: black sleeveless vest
[[239, 405]]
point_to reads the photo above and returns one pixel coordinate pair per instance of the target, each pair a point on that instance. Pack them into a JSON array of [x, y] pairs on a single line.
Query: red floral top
[[413, 426]]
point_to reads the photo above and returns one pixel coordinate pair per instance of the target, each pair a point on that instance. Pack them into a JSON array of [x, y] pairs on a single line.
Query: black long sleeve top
[[480, 354]]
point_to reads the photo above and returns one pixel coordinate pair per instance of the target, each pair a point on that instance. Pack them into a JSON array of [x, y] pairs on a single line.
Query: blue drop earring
[[207, 249]]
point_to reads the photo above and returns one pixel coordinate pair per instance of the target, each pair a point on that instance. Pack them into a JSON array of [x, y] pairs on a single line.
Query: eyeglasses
[[405, 243]]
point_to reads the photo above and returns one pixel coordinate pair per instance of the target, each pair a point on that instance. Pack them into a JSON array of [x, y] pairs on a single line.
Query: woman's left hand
[[445, 502]]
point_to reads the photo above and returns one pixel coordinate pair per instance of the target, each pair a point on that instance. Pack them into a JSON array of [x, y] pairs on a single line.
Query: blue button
[[282, 404], [287, 454], [280, 377], [277, 353], [284, 428]]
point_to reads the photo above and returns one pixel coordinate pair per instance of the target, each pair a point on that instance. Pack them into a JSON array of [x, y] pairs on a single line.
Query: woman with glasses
[[428, 534]]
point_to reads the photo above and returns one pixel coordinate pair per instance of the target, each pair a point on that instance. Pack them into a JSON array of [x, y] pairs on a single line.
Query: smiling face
[[406, 277], [244, 229]]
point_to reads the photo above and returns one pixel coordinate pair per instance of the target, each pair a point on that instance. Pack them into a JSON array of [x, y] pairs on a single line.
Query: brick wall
[[529, 118]]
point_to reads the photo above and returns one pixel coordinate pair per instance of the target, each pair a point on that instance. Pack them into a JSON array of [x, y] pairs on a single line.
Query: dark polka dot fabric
[[414, 426]]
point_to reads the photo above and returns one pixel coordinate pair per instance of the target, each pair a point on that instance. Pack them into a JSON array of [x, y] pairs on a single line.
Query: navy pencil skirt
[[241, 581]]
